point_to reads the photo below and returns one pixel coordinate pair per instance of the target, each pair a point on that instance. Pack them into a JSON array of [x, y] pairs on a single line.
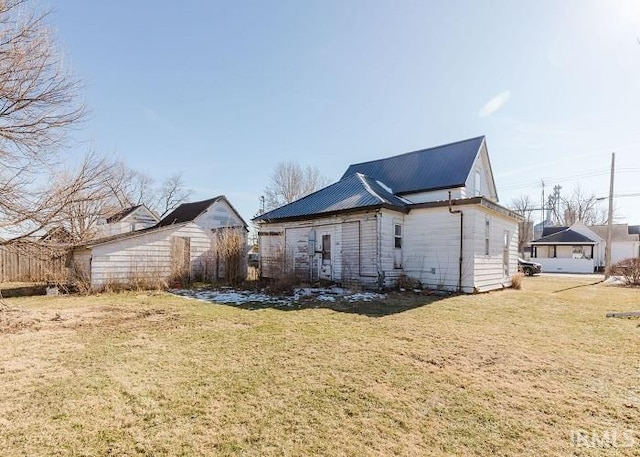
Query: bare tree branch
[[289, 182]]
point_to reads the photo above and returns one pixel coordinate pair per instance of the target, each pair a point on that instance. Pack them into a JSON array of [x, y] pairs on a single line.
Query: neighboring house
[[581, 249], [127, 220], [185, 243], [431, 215]]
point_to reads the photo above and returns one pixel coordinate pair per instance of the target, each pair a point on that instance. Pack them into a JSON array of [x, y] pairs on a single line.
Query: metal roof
[[440, 167], [565, 236], [352, 192]]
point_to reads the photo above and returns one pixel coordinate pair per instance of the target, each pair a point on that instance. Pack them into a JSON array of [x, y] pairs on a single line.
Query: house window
[[505, 252], [397, 243], [477, 190], [577, 252], [487, 231], [326, 247]]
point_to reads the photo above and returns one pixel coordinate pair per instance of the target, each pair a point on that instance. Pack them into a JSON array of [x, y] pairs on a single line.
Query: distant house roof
[[183, 214], [355, 191], [619, 232], [550, 230], [440, 167], [117, 217], [564, 236], [187, 212], [57, 235]]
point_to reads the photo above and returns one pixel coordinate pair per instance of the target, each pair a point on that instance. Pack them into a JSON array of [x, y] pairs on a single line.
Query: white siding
[[436, 195], [432, 248], [488, 269], [140, 219], [482, 166], [219, 214], [147, 256]]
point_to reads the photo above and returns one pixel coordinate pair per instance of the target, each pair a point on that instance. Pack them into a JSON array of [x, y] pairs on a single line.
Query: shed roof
[[187, 212], [355, 191], [550, 230], [440, 167], [564, 236]]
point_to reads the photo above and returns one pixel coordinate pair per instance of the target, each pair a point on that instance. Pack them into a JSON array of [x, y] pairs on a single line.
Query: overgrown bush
[[629, 269], [231, 246], [516, 280], [408, 283]]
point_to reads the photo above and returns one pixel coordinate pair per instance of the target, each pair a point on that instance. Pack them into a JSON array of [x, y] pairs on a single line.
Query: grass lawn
[[529, 372]]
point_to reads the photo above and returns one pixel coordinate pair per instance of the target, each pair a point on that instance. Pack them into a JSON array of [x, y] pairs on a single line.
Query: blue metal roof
[[352, 192], [435, 168]]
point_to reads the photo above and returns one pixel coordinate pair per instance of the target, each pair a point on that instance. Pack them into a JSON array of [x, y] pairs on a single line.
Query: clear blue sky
[[224, 90]]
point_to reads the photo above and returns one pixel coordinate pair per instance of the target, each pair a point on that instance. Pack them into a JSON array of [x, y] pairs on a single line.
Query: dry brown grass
[[505, 373]]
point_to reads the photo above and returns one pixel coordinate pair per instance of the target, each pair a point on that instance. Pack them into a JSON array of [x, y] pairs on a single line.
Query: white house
[[431, 215], [181, 244], [127, 220], [581, 249]]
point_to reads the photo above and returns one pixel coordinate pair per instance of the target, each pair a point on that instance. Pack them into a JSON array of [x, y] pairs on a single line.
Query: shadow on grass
[[394, 303], [578, 286]]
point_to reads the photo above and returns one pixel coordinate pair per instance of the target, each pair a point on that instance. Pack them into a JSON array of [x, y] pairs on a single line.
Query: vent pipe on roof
[[458, 211]]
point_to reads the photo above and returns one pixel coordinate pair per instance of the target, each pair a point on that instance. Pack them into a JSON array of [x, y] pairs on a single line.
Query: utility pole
[[607, 251]]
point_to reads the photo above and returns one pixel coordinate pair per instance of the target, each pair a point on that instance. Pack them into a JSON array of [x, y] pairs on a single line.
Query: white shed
[[183, 245]]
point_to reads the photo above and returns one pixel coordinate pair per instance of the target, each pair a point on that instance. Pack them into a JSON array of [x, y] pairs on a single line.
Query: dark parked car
[[529, 268]]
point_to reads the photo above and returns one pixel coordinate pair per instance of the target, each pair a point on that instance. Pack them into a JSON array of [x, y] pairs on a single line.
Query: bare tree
[[104, 187], [39, 102], [171, 193], [290, 181], [525, 207], [583, 207]]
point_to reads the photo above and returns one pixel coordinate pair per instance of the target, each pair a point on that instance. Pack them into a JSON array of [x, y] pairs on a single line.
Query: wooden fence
[[27, 262]]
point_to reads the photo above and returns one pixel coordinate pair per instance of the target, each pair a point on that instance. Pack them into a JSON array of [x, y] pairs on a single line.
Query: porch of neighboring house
[[565, 258]]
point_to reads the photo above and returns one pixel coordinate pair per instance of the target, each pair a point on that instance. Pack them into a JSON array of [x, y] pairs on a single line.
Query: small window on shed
[[397, 236]]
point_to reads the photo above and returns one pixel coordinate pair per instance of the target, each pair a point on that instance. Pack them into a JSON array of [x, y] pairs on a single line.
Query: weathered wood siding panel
[[353, 239], [297, 258], [26, 262], [351, 251]]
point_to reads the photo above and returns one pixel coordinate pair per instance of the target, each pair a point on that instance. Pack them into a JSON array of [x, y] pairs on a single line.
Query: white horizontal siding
[[489, 269], [432, 248]]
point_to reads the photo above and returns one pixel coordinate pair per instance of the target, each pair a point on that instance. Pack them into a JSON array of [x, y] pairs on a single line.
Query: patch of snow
[[238, 297], [330, 298]]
